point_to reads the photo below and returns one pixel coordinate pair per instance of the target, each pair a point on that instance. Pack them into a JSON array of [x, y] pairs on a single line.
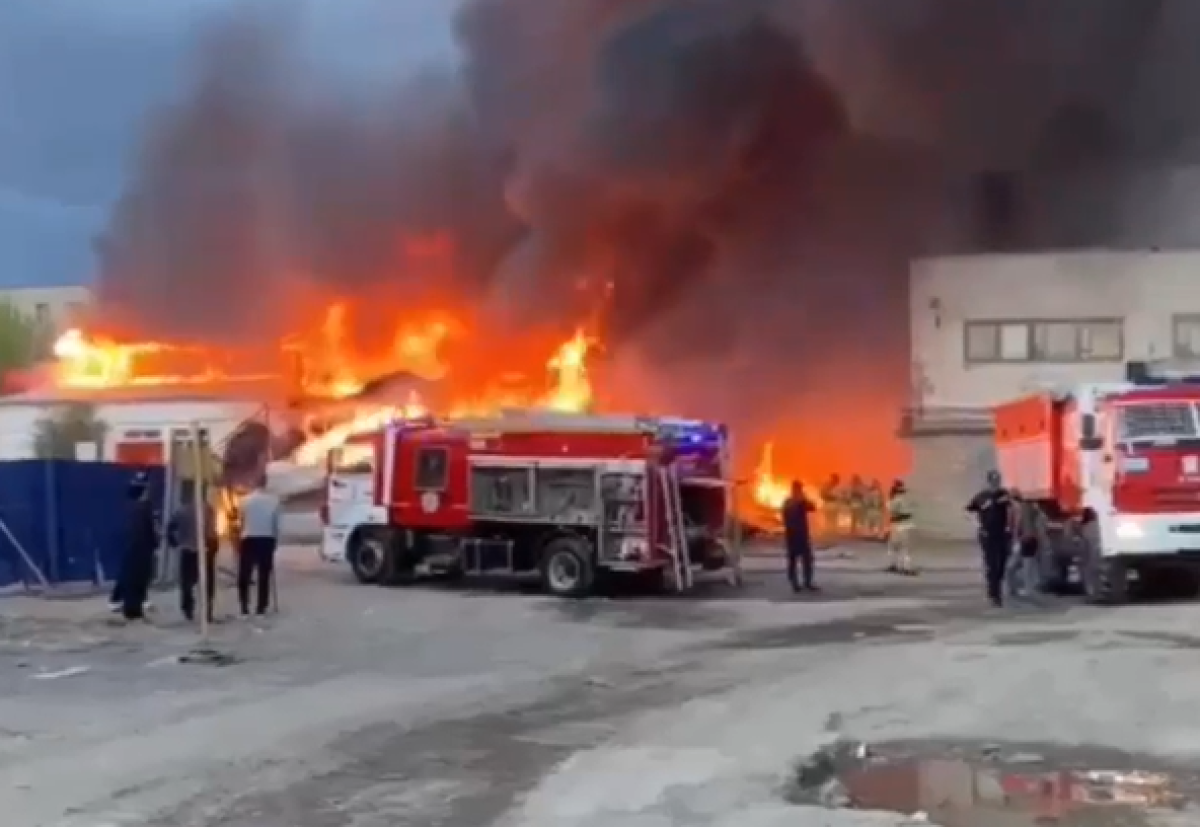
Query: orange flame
[[769, 490], [313, 451], [572, 391]]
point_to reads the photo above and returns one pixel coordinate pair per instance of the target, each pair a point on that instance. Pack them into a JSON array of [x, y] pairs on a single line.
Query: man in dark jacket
[[993, 508], [137, 570], [798, 538]]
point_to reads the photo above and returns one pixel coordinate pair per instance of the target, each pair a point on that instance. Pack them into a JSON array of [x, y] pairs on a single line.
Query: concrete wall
[[1144, 289]]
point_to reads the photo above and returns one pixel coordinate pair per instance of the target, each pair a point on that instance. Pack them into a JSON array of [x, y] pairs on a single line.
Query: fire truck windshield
[[1158, 423]]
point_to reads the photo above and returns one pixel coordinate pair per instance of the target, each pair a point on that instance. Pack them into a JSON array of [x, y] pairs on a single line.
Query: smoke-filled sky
[[753, 175]]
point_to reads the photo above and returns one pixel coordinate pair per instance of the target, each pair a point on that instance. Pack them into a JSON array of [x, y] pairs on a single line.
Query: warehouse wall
[[1148, 291], [1150, 298]]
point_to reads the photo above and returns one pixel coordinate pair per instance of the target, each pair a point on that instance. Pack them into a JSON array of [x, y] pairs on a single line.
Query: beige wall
[[1145, 289]]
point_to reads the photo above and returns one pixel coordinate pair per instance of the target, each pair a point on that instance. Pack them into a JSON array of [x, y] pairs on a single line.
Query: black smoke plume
[[751, 176]]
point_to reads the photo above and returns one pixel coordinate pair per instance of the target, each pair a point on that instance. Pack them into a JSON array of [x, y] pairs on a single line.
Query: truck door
[[349, 483], [430, 487]]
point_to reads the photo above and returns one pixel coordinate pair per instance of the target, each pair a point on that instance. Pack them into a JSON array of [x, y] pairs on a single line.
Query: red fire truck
[[1115, 471], [570, 497]]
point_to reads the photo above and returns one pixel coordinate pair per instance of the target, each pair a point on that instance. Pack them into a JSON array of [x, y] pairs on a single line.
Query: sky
[[78, 79]]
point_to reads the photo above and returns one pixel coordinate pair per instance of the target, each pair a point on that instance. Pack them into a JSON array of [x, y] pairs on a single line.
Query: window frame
[[338, 460], [424, 486], [1178, 321], [1030, 327]]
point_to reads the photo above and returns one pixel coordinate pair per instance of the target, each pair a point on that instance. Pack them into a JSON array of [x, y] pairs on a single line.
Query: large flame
[[331, 369], [572, 389], [366, 420], [770, 489]]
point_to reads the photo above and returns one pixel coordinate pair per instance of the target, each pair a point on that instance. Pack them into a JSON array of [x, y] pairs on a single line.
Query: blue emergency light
[[691, 435]]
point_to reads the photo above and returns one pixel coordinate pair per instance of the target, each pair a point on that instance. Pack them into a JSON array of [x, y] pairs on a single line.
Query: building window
[[1045, 341], [41, 312], [1185, 336]]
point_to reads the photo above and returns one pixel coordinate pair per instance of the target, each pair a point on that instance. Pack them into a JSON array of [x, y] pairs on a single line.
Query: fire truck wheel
[[367, 555], [567, 569], [1105, 580]]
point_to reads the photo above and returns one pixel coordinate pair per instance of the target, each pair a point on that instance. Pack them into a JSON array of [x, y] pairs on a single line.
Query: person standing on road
[[798, 538], [137, 569], [184, 531], [256, 548], [856, 504], [831, 497], [900, 526], [1022, 574], [876, 510], [993, 507]]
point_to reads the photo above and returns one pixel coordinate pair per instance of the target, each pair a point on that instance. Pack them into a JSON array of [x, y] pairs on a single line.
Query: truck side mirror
[[1089, 439]]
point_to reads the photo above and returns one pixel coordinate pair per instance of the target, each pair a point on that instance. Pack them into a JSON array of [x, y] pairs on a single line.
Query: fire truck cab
[[569, 497], [1115, 471]]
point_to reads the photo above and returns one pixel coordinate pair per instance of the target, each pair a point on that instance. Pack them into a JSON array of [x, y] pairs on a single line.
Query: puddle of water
[[956, 793]]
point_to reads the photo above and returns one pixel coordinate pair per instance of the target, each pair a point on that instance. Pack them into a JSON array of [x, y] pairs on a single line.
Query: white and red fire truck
[[1115, 469], [570, 497]]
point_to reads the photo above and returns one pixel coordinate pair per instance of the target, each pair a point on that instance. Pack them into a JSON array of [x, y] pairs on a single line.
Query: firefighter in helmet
[[856, 503], [900, 527], [831, 511], [876, 516]]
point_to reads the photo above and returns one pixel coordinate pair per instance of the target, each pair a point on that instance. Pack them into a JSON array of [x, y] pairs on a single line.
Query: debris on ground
[[208, 656]]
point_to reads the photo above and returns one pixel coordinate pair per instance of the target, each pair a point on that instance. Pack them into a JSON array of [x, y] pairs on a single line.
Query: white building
[[54, 308], [988, 328], [139, 422]]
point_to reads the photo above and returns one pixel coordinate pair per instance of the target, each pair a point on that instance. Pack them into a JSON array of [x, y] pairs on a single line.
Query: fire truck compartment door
[[430, 487]]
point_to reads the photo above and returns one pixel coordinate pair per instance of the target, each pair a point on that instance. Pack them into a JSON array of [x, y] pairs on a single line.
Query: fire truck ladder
[[677, 540], [733, 522]]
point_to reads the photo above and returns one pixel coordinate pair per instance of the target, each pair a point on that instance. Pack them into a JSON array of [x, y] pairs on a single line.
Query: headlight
[[1127, 530]]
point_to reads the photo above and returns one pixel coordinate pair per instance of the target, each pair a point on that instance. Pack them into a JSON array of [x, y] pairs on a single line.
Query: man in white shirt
[[256, 549]]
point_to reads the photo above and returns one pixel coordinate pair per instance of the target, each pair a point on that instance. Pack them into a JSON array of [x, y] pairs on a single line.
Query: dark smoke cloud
[[753, 175]]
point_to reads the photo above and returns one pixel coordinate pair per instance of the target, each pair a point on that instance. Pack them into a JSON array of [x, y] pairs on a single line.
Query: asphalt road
[[491, 705]]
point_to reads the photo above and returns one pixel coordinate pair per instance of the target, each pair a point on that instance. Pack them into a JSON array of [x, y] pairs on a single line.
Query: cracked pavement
[[359, 706]]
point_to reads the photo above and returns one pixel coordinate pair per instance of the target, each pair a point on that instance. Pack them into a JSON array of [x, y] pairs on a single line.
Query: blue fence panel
[[70, 518], [22, 500]]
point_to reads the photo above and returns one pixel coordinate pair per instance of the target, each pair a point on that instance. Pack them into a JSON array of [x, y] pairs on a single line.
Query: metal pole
[[201, 530]]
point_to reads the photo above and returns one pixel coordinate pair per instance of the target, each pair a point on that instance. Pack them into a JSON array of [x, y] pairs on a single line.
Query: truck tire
[[1105, 579], [367, 555], [567, 569]]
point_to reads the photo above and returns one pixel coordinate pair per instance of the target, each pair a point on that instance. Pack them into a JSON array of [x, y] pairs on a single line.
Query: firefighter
[[798, 538], [137, 569], [856, 499], [993, 507], [876, 510], [831, 496], [900, 527]]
